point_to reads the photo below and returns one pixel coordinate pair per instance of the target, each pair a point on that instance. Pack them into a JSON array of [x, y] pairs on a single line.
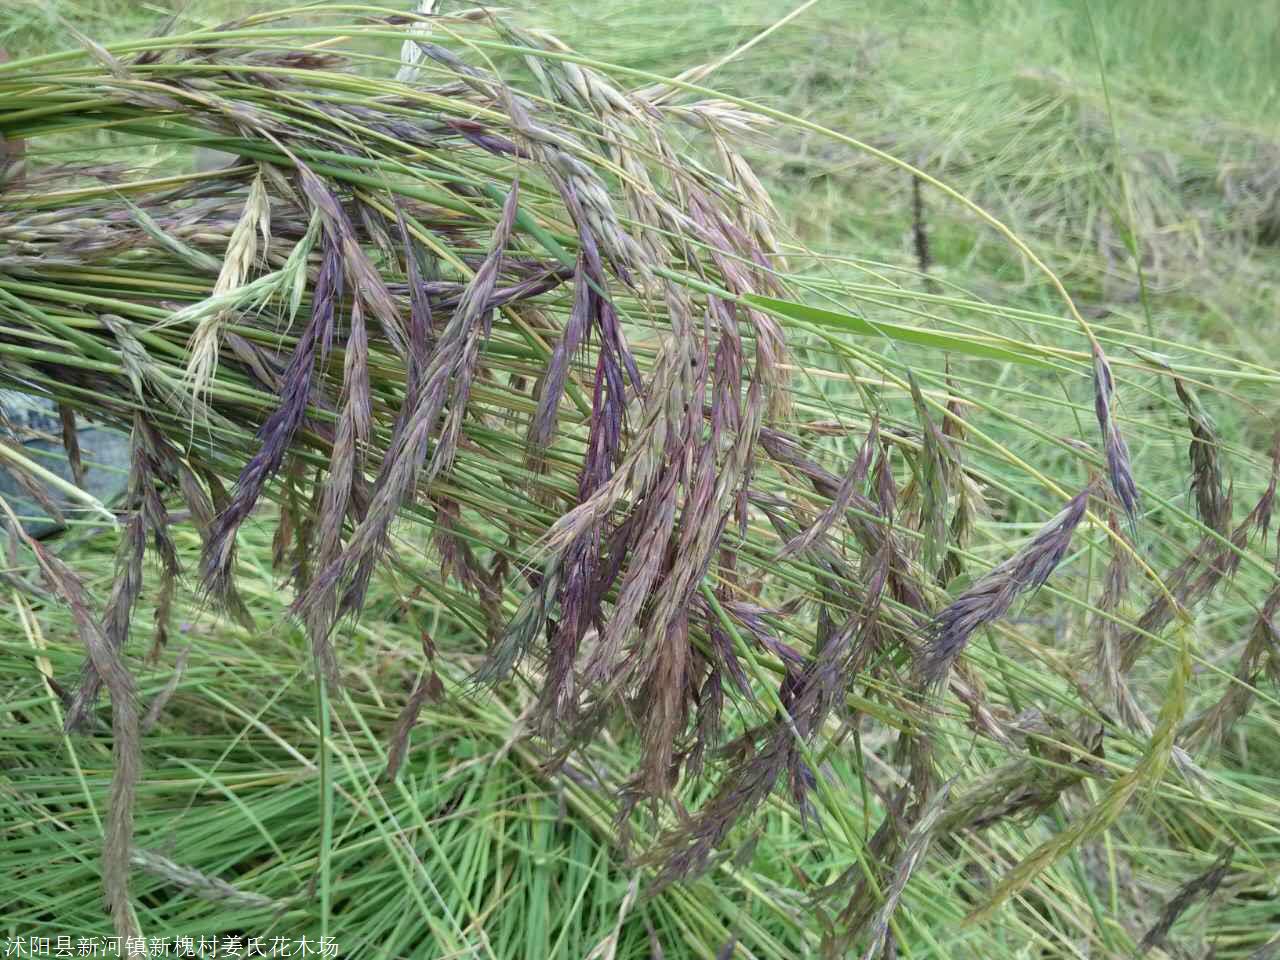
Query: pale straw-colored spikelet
[[241, 254]]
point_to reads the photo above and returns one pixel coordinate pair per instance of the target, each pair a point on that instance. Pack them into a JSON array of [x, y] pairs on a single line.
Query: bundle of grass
[[645, 472]]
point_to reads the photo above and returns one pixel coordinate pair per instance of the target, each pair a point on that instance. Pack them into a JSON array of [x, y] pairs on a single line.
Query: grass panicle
[[639, 545]]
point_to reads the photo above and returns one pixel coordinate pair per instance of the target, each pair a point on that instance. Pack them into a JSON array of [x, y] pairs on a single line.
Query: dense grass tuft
[[624, 576]]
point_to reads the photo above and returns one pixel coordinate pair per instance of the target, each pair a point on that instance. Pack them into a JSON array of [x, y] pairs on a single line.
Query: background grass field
[[1135, 148]]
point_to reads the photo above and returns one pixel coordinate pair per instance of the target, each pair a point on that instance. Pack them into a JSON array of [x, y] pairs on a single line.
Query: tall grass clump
[[479, 364]]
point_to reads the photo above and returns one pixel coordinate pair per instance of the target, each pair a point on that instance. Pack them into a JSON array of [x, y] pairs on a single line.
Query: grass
[[1063, 805]]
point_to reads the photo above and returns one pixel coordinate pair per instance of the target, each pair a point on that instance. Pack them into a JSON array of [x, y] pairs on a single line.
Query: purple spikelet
[[990, 598], [1119, 469]]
